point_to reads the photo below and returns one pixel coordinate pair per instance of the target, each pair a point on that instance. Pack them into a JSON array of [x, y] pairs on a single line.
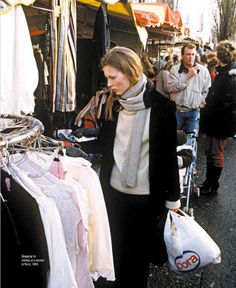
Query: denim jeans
[[188, 121]]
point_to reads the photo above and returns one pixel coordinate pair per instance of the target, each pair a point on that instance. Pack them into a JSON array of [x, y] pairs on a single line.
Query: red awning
[[146, 19], [156, 14], [177, 18], [148, 15]]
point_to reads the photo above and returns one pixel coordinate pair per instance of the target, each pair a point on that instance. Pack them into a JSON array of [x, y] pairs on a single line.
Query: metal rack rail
[[17, 129]]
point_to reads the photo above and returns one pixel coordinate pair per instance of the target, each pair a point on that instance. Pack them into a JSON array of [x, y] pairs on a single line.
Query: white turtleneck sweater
[[123, 134]]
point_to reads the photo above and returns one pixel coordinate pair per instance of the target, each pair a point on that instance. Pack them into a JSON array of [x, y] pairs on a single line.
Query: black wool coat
[[218, 118], [163, 167]]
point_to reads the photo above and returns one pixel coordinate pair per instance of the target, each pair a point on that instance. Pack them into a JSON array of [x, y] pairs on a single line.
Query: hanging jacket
[[101, 39]]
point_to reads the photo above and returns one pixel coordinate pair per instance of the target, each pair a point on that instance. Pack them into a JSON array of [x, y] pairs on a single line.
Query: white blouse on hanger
[[60, 275], [18, 69], [68, 205], [100, 247], [78, 172]]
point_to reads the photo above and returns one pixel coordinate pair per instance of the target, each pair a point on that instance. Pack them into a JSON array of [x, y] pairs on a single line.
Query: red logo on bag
[[188, 261]]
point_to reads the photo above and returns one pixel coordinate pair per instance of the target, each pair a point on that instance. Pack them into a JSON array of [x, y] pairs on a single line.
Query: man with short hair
[[190, 82]]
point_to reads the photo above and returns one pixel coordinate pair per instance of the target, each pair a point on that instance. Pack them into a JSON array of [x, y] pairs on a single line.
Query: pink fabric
[[99, 238], [74, 229], [57, 169], [68, 206]]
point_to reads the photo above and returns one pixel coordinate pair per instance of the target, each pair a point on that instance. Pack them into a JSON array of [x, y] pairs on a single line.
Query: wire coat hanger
[[56, 11]]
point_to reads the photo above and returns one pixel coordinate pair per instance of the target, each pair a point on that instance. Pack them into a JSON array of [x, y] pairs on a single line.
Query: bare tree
[[224, 18]]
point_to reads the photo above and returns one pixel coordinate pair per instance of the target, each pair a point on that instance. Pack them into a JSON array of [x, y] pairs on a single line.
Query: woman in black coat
[[219, 115], [139, 171]]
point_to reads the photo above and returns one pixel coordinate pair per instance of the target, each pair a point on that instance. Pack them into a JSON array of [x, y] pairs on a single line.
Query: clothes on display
[[18, 70], [102, 41], [41, 90], [56, 229], [90, 78], [20, 214], [67, 194], [63, 41], [84, 83], [54, 234]]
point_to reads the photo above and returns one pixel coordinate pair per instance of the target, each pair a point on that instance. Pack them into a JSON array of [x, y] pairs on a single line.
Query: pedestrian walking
[[190, 82], [162, 85], [219, 115], [211, 66], [139, 170]]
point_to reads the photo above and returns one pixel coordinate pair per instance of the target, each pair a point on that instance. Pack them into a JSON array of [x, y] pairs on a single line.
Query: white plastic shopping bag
[[188, 245]]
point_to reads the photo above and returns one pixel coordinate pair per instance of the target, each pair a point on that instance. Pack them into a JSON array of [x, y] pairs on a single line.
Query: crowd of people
[[204, 91], [140, 168]]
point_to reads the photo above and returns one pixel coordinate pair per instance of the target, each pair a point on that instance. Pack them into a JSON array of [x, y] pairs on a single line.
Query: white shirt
[[60, 275], [99, 237], [67, 201], [79, 173], [18, 69]]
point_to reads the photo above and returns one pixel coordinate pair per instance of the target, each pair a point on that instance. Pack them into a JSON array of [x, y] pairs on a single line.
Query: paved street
[[217, 215]]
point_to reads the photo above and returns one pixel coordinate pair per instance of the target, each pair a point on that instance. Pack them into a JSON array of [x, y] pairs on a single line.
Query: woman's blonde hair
[[127, 62]]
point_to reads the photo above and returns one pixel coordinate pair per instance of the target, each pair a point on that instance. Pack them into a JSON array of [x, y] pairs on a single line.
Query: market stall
[[66, 31], [164, 27], [63, 49]]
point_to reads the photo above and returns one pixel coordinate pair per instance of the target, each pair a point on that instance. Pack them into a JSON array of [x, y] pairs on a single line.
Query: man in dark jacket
[[219, 115]]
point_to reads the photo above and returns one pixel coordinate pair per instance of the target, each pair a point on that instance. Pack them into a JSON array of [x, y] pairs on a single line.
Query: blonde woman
[[139, 171]]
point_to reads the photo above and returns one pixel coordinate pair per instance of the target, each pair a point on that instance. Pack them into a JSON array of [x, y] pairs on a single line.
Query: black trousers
[[131, 228]]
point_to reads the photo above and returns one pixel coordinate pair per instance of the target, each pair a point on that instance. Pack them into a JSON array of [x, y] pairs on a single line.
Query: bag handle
[[179, 212]]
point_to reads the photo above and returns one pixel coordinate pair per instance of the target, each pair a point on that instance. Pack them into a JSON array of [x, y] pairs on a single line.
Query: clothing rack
[[41, 8], [15, 129]]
